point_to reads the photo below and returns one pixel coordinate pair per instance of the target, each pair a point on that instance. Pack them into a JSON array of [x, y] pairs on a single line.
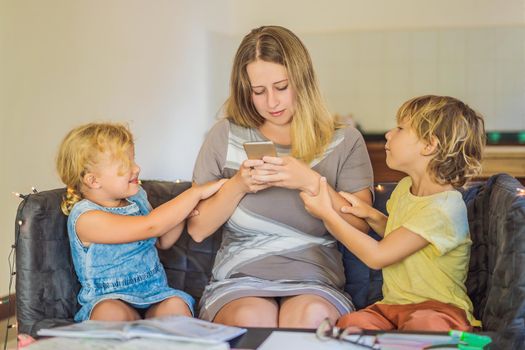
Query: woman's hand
[[319, 205], [249, 169], [288, 172]]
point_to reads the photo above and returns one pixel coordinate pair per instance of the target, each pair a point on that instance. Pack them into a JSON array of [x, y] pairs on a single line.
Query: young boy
[[426, 243]]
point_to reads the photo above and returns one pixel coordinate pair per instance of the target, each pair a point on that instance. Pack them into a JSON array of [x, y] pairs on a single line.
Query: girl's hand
[[193, 213], [246, 173], [288, 172], [319, 205], [208, 189], [357, 207]]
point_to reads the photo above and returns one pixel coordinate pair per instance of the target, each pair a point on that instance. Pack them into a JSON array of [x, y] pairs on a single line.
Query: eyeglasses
[[327, 331]]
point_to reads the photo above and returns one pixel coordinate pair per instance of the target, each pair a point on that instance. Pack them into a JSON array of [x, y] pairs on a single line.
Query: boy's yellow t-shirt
[[438, 271]]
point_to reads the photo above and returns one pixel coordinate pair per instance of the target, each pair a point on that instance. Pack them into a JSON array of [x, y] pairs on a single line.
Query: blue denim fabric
[[131, 272]]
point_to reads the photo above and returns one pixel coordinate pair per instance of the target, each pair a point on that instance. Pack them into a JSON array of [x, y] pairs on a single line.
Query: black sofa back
[[47, 286]]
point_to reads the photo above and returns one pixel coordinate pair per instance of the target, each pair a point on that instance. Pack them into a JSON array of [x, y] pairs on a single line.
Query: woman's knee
[[306, 312], [248, 313]]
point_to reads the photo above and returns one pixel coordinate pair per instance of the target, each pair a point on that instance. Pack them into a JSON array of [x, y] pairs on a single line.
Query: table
[[254, 337]]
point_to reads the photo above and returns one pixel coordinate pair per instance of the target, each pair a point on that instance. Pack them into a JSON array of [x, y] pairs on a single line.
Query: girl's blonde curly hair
[[80, 150], [458, 131]]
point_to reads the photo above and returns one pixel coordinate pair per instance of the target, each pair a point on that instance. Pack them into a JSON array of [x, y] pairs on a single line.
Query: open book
[[180, 328]]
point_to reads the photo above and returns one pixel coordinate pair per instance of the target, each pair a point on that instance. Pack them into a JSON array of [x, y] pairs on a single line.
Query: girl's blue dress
[[131, 272]]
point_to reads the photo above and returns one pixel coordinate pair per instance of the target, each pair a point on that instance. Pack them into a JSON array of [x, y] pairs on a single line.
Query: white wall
[[163, 66], [64, 63]]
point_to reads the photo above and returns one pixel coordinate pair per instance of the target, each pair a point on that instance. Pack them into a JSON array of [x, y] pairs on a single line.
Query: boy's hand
[[320, 205], [207, 190], [357, 207]]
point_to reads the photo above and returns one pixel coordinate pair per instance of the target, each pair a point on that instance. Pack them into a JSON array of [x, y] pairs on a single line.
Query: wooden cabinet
[[497, 159]]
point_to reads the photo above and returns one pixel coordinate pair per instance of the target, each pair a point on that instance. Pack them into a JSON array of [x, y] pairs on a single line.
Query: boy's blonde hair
[[312, 125], [458, 131], [80, 150]]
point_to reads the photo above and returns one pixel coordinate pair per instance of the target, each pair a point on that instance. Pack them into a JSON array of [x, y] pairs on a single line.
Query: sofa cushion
[[363, 283], [496, 278]]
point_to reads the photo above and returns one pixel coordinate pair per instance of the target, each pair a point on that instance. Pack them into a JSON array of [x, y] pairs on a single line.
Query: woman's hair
[[459, 133], [80, 150], [312, 125]]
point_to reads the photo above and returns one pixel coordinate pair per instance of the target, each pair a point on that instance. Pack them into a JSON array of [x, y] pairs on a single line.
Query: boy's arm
[[395, 247], [376, 219]]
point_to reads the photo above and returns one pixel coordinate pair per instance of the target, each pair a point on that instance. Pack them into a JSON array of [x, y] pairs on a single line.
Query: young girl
[[113, 230], [425, 248]]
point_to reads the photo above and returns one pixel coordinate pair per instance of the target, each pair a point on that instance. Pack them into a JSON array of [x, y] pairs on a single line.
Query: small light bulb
[[20, 222], [521, 191], [380, 188], [177, 181]]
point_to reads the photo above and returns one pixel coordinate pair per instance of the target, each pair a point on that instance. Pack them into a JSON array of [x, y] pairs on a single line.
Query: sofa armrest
[[46, 283]]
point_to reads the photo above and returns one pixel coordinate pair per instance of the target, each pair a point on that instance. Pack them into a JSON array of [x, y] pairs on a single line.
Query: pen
[[475, 340]]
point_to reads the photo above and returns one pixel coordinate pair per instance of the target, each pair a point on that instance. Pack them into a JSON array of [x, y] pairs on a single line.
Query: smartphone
[[259, 149]]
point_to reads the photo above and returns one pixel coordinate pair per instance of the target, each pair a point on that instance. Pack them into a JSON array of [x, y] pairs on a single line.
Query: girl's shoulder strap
[[141, 200]]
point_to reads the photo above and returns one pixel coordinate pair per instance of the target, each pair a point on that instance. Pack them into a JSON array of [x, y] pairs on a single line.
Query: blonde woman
[[277, 266], [113, 230]]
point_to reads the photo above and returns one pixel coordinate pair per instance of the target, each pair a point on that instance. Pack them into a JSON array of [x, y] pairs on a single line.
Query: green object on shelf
[[494, 137], [521, 137]]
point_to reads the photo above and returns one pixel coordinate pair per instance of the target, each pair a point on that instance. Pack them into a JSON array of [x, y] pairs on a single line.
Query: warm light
[[521, 191], [380, 188], [20, 222], [177, 181]]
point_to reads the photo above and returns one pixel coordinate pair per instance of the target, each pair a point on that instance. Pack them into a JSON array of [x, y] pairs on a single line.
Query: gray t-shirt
[[270, 236]]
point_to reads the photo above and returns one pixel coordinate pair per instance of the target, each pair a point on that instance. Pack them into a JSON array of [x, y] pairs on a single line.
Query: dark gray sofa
[[46, 284]]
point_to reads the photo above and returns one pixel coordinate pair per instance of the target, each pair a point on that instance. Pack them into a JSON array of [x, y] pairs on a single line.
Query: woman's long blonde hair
[[458, 131], [312, 125], [80, 150]]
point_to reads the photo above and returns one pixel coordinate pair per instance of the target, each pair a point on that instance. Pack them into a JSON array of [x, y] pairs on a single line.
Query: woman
[[277, 266]]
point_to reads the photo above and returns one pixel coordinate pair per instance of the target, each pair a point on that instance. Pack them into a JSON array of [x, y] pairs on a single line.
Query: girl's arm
[[292, 173], [214, 211], [399, 244], [102, 227], [167, 240]]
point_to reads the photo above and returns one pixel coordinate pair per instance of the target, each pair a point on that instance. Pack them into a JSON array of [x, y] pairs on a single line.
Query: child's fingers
[[348, 209], [304, 195], [24, 340], [350, 198], [323, 186]]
